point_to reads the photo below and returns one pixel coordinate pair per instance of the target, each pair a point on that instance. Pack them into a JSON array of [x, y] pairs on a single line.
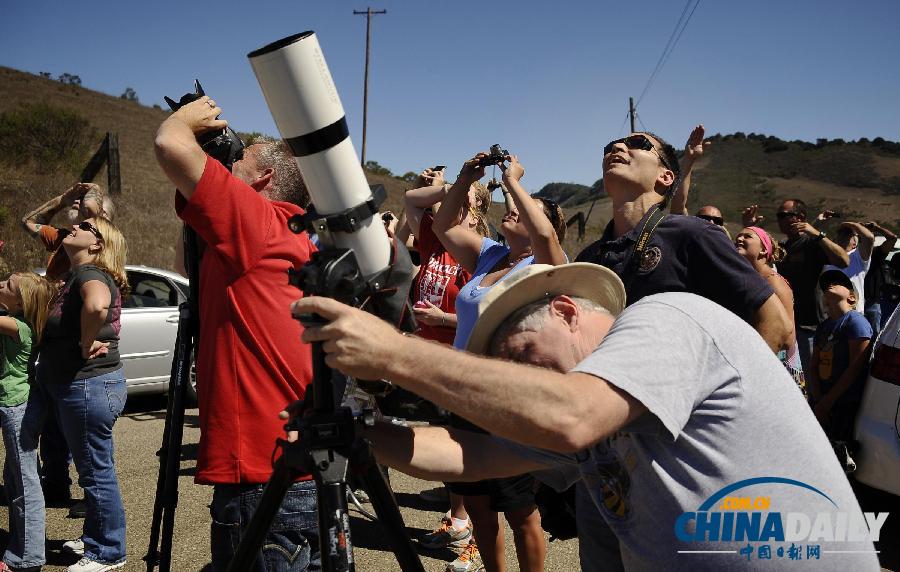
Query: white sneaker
[[88, 565], [74, 547]]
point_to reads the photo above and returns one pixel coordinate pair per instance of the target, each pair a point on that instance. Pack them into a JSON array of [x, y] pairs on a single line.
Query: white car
[[878, 420], [149, 327]]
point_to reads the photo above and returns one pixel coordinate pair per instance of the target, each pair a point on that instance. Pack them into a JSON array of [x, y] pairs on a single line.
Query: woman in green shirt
[[26, 298]]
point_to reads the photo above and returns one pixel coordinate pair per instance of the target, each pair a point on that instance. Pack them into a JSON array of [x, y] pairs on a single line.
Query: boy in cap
[[839, 357]]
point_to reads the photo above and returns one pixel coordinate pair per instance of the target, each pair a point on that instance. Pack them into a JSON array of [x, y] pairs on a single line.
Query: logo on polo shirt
[[650, 259]]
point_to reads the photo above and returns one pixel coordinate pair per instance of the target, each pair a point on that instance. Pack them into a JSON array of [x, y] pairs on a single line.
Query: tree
[[69, 79], [409, 176], [129, 95], [376, 169]]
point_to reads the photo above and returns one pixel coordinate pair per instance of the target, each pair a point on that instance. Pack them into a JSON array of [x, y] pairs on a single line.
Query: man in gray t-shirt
[[692, 439]]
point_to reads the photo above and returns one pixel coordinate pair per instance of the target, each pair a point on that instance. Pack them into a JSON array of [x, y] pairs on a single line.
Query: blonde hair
[[480, 209], [36, 292], [111, 257]]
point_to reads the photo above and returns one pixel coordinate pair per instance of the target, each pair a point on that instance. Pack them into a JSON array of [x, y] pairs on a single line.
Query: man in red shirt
[[250, 362]]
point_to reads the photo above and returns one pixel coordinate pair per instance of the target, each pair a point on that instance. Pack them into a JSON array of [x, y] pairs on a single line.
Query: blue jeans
[[23, 489], [87, 409], [292, 543], [873, 314]]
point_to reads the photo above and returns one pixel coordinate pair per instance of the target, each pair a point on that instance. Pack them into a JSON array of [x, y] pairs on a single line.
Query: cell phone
[[439, 167]]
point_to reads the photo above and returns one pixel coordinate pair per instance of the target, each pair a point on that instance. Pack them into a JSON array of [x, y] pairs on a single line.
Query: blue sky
[[548, 81]]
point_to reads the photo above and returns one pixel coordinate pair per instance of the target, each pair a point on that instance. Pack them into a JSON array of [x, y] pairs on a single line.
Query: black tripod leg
[[166, 499], [389, 516], [253, 536]]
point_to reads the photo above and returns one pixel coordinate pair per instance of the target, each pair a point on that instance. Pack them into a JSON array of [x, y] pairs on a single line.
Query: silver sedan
[[149, 327]]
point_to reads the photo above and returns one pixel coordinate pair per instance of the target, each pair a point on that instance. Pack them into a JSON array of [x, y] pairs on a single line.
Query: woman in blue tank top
[[533, 229]]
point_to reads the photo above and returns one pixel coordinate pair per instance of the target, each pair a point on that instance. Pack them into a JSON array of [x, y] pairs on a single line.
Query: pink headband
[[765, 239]]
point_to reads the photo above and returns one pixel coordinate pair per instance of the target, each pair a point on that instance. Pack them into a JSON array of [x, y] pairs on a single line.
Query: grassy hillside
[[144, 210], [861, 179]]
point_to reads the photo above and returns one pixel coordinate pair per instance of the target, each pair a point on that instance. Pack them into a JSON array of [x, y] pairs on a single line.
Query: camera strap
[[633, 260]]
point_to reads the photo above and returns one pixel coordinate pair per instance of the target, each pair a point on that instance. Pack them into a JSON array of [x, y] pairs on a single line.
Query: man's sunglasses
[[716, 220], [86, 226], [787, 214], [638, 141]]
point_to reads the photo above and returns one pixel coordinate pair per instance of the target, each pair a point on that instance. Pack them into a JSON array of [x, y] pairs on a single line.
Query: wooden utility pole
[[631, 112], [369, 12]]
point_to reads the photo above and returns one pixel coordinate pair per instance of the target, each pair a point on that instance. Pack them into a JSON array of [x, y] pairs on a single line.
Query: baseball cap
[[833, 276]]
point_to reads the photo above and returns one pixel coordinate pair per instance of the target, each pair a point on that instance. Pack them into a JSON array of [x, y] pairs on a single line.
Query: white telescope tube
[[301, 95]]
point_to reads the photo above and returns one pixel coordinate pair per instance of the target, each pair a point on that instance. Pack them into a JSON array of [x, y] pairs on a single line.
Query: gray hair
[[287, 183], [531, 317], [109, 209]]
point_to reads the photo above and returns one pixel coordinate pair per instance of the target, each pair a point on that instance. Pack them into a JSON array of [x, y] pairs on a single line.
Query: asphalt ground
[[138, 434]]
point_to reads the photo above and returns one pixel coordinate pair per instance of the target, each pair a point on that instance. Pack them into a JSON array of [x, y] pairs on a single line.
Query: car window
[[150, 291]]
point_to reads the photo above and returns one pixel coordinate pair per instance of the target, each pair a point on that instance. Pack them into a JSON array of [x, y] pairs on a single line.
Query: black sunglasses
[[716, 220], [637, 141], [787, 214], [85, 225]]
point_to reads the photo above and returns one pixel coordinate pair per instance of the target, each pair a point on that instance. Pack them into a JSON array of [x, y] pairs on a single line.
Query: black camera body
[[224, 146], [496, 156]]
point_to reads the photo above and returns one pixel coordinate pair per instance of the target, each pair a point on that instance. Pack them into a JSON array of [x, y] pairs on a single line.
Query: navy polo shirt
[[685, 254]]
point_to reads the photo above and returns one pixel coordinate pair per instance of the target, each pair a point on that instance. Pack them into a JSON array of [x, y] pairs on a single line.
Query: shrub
[[53, 137]]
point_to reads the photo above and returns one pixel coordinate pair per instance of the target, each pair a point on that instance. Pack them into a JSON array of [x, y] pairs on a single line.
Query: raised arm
[[177, 150], [865, 236], [693, 150], [890, 239], [429, 192], [544, 242], [834, 253], [34, 220], [462, 244]]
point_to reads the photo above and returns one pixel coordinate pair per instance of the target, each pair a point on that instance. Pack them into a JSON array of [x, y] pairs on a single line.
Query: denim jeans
[[23, 489], [873, 314], [87, 409], [54, 452], [292, 543], [55, 459]]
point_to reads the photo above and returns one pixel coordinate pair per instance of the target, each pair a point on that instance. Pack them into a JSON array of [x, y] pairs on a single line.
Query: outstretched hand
[[471, 171], [696, 146], [514, 171], [751, 216], [356, 342]]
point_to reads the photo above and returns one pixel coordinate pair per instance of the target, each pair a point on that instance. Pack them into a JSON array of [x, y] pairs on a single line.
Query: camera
[[496, 156], [224, 146]]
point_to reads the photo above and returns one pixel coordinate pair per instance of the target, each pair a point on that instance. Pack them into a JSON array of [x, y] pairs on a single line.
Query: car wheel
[[191, 394]]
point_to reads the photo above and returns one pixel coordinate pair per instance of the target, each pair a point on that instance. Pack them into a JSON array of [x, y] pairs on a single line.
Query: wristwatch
[[821, 236]]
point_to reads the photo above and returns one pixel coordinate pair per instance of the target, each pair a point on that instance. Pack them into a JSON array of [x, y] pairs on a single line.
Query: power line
[[624, 121], [678, 38], [665, 49], [641, 121], [680, 26]]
